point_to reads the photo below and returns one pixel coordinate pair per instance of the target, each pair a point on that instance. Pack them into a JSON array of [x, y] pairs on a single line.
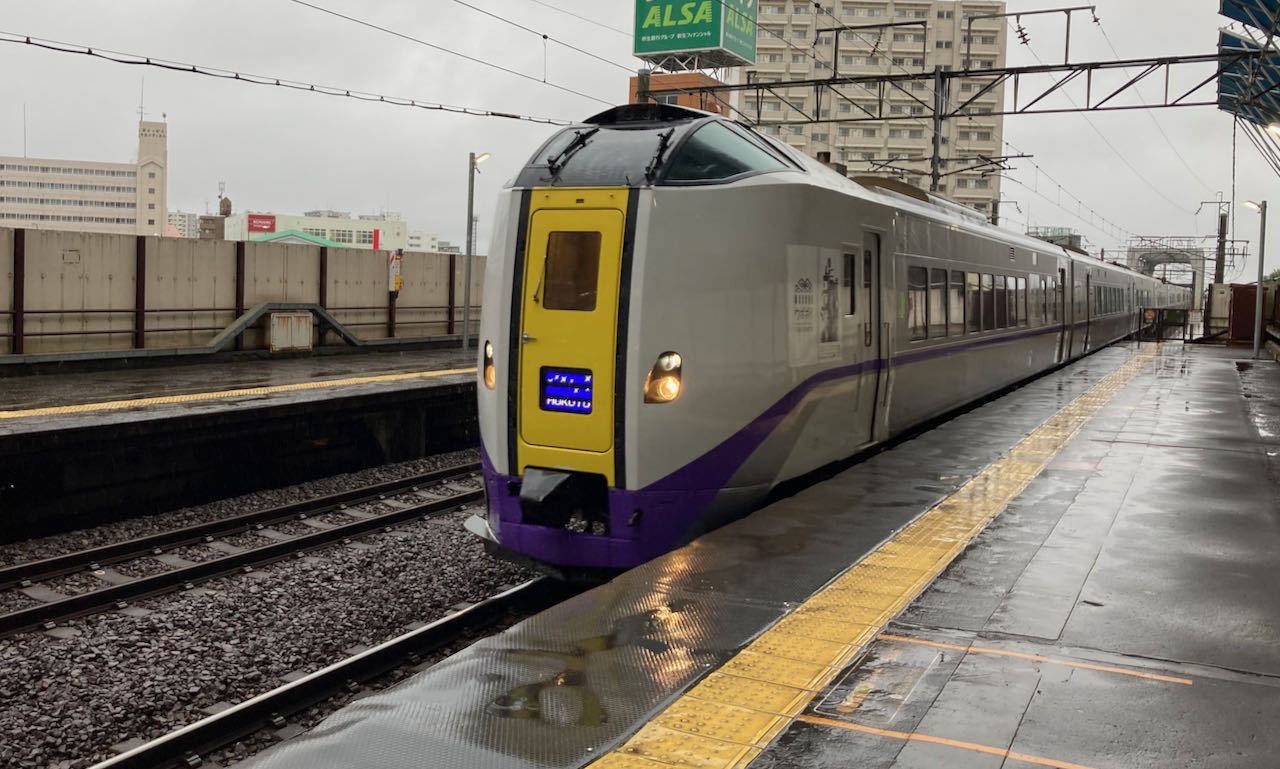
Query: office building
[[90, 196]]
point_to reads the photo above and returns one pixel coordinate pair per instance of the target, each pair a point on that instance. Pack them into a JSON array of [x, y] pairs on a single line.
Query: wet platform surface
[[1119, 610], [57, 401]]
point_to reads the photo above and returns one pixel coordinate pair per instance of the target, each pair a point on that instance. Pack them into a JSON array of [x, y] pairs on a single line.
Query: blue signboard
[[566, 389]]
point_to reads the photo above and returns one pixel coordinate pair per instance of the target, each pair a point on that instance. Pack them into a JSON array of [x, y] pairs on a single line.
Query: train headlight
[[490, 375], [663, 383]]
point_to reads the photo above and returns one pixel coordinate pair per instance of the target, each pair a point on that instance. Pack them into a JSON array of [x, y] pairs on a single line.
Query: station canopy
[[1249, 80]]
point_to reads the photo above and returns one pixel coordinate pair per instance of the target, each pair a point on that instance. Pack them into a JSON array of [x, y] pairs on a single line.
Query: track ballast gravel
[[119, 531], [65, 701]]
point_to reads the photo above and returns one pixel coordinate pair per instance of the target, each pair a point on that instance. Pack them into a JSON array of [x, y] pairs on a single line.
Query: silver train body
[[680, 314]]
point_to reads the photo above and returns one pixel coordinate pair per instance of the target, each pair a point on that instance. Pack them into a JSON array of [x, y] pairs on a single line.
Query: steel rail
[[189, 745], [119, 595], [93, 558]]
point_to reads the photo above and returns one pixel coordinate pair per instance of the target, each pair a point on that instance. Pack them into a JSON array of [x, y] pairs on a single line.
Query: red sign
[[376, 239], [262, 223]]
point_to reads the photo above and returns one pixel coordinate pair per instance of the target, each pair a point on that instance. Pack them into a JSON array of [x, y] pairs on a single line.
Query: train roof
[[670, 145]]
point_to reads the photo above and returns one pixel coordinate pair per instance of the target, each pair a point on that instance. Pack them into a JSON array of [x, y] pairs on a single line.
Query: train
[[681, 313]]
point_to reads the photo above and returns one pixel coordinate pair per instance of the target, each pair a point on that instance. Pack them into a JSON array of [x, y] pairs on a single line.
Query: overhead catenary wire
[[449, 51], [1119, 230], [1112, 147], [1151, 115], [1068, 211], [543, 35], [602, 25], [119, 57]]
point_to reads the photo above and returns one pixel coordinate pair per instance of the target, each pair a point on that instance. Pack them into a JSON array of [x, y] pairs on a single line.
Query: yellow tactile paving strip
[[160, 400], [729, 717]]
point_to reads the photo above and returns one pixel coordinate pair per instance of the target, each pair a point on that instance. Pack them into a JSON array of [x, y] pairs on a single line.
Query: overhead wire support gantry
[[997, 76], [1025, 101]]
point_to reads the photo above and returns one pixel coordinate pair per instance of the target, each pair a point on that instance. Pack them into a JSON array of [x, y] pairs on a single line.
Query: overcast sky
[[288, 151]]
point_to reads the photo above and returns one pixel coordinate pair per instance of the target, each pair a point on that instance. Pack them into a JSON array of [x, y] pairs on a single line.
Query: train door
[[1088, 310], [1061, 316], [867, 355], [569, 331]]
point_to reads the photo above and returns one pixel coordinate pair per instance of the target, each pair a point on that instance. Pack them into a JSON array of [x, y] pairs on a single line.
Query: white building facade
[[423, 242], [902, 146], [187, 224], [385, 232], [90, 196]]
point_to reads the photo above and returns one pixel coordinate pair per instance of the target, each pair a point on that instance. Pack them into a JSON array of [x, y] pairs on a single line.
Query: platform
[[80, 448], [1078, 575]]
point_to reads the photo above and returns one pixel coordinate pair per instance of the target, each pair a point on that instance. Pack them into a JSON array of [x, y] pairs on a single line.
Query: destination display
[[566, 389]]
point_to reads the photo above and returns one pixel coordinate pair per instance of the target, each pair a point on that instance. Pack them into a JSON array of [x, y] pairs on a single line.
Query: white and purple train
[[680, 314]]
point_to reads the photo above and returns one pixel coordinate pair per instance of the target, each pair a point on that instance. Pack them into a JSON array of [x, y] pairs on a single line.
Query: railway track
[[190, 745], [55, 608]]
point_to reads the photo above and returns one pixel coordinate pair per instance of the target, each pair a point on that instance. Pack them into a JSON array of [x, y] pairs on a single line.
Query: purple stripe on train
[[673, 505]]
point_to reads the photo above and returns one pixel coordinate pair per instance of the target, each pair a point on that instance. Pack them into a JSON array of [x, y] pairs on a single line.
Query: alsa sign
[[678, 26]]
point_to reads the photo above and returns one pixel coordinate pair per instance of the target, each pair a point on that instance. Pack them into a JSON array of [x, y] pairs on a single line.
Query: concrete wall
[[6, 297], [73, 279]]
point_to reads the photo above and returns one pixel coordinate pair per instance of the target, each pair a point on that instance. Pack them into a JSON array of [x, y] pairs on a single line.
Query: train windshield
[[716, 151], [656, 152]]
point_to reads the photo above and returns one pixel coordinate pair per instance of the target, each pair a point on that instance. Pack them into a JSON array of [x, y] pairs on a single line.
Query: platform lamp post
[[1261, 208], [473, 161]]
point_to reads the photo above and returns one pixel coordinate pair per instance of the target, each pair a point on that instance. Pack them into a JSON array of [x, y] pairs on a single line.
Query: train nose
[[577, 501]]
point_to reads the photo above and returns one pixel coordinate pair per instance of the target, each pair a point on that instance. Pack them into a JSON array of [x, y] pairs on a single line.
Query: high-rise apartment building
[[187, 224], [794, 43], [90, 196]]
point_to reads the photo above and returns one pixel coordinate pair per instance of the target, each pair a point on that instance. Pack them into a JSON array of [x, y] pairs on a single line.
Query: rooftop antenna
[[142, 98]]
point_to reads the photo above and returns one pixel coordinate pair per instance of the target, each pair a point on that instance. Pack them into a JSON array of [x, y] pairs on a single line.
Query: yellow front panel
[[569, 323]]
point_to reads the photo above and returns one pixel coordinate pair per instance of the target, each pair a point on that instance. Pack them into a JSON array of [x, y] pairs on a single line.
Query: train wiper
[[664, 140], [556, 162]]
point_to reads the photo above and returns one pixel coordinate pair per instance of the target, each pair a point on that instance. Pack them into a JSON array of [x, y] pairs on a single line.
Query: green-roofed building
[[297, 237]]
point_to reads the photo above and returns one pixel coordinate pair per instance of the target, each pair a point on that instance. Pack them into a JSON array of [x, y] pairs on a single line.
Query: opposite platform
[[79, 449], [1075, 575]]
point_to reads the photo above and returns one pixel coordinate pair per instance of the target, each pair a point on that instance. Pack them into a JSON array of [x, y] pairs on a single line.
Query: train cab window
[[715, 151], [937, 304], [849, 284], [1001, 303], [571, 271], [988, 303], [918, 302], [1022, 302], [955, 309]]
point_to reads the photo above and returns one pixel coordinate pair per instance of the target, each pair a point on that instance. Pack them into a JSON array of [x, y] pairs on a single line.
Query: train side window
[[974, 293], [988, 303], [918, 302], [1002, 304], [850, 284], [937, 303], [1022, 302], [956, 301], [571, 271], [1043, 304]]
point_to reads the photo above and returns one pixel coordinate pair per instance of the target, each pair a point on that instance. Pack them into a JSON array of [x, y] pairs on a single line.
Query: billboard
[[262, 223], [721, 32]]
